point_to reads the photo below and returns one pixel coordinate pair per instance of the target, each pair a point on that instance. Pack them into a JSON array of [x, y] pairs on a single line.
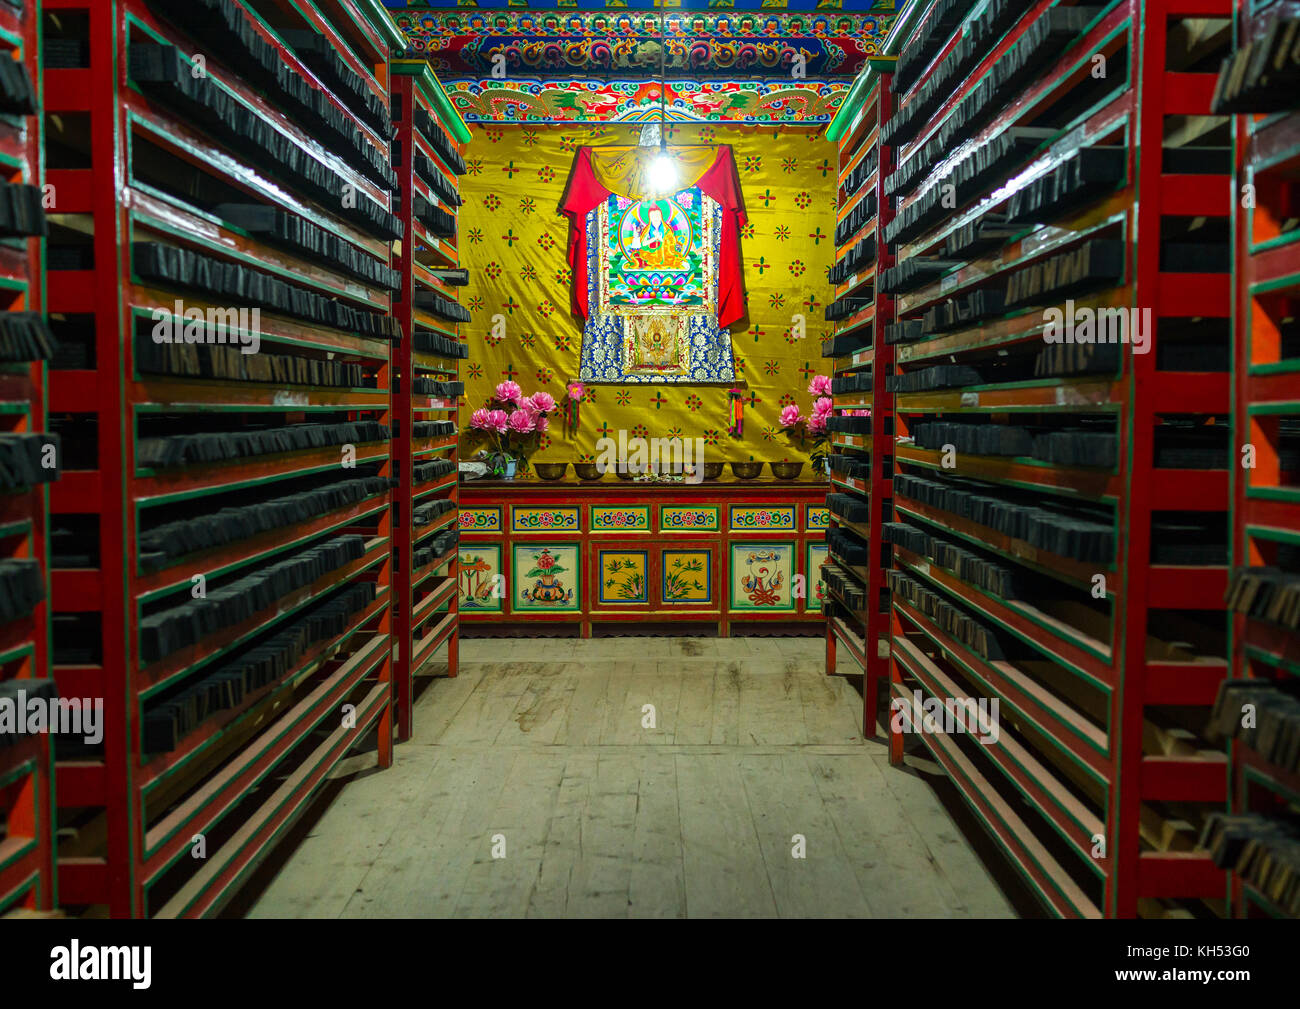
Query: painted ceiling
[[755, 61]]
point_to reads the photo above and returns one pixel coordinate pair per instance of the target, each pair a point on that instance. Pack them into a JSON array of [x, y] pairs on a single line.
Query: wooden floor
[[541, 743]]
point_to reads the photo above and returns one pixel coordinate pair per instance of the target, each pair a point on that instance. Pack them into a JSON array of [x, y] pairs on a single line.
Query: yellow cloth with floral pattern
[[512, 240]]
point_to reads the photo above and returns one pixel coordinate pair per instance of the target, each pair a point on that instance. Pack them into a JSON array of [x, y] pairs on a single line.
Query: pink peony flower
[[521, 422], [817, 423], [498, 421], [542, 402], [790, 416], [509, 392], [541, 421], [577, 391], [479, 420], [820, 386], [823, 407]]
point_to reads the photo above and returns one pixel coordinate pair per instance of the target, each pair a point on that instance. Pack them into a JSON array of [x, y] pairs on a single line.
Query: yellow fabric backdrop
[[513, 242]]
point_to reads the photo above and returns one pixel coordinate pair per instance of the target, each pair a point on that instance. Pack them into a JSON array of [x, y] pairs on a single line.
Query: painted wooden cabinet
[[725, 554]]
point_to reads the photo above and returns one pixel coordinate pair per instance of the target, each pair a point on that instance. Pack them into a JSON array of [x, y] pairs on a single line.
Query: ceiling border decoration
[[462, 44], [740, 102]]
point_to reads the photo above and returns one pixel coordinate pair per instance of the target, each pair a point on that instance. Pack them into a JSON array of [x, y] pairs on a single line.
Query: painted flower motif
[[790, 416], [475, 235], [789, 165], [570, 143], [474, 166], [803, 200], [522, 422], [747, 231], [529, 138], [527, 205], [474, 370], [545, 561], [528, 339], [776, 300], [707, 134], [820, 386], [753, 163], [544, 375], [563, 342], [494, 136], [786, 399], [563, 275], [509, 392], [712, 437], [640, 431], [493, 270], [781, 233], [797, 268], [622, 397], [546, 174], [771, 368], [546, 241], [498, 421], [693, 402], [492, 202], [542, 402], [528, 273], [475, 303], [546, 308]]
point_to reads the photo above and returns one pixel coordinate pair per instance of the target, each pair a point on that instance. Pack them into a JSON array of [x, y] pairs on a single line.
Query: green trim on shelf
[[428, 82], [377, 14]]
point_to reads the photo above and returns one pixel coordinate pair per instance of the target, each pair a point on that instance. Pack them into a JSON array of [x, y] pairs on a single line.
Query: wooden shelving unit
[[256, 177], [1266, 409], [1059, 534], [857, 597], [27, 871], [428, 387]]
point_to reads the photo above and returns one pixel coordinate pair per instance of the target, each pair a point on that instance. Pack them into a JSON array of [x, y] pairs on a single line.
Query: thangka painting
[[653, 280]]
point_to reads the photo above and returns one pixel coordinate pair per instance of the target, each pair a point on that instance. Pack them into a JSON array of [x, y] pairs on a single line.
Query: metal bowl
[[746, 470], [550, 470], [787, 470], [587, 471], [713, 470]]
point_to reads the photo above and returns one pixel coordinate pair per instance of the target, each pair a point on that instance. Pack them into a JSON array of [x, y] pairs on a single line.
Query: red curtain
[[719, 182]]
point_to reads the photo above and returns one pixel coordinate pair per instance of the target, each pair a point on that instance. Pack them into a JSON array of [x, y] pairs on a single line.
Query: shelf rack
[[27, 870], [1094, 782], [1266, 377], [425, 599], [191, 788], [863, 632]]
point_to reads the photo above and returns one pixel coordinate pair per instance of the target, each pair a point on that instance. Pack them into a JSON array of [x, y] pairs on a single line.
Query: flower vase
[[512, 466], [827, 464]]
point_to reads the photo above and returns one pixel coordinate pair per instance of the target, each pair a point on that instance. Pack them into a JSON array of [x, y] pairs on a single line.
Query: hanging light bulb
[[662, 173]]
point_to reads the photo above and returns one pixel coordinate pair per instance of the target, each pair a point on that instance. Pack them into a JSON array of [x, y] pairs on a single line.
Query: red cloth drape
[[720, 183]]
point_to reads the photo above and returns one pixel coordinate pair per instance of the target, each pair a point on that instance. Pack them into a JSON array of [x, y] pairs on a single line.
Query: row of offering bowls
[[712, 471]]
